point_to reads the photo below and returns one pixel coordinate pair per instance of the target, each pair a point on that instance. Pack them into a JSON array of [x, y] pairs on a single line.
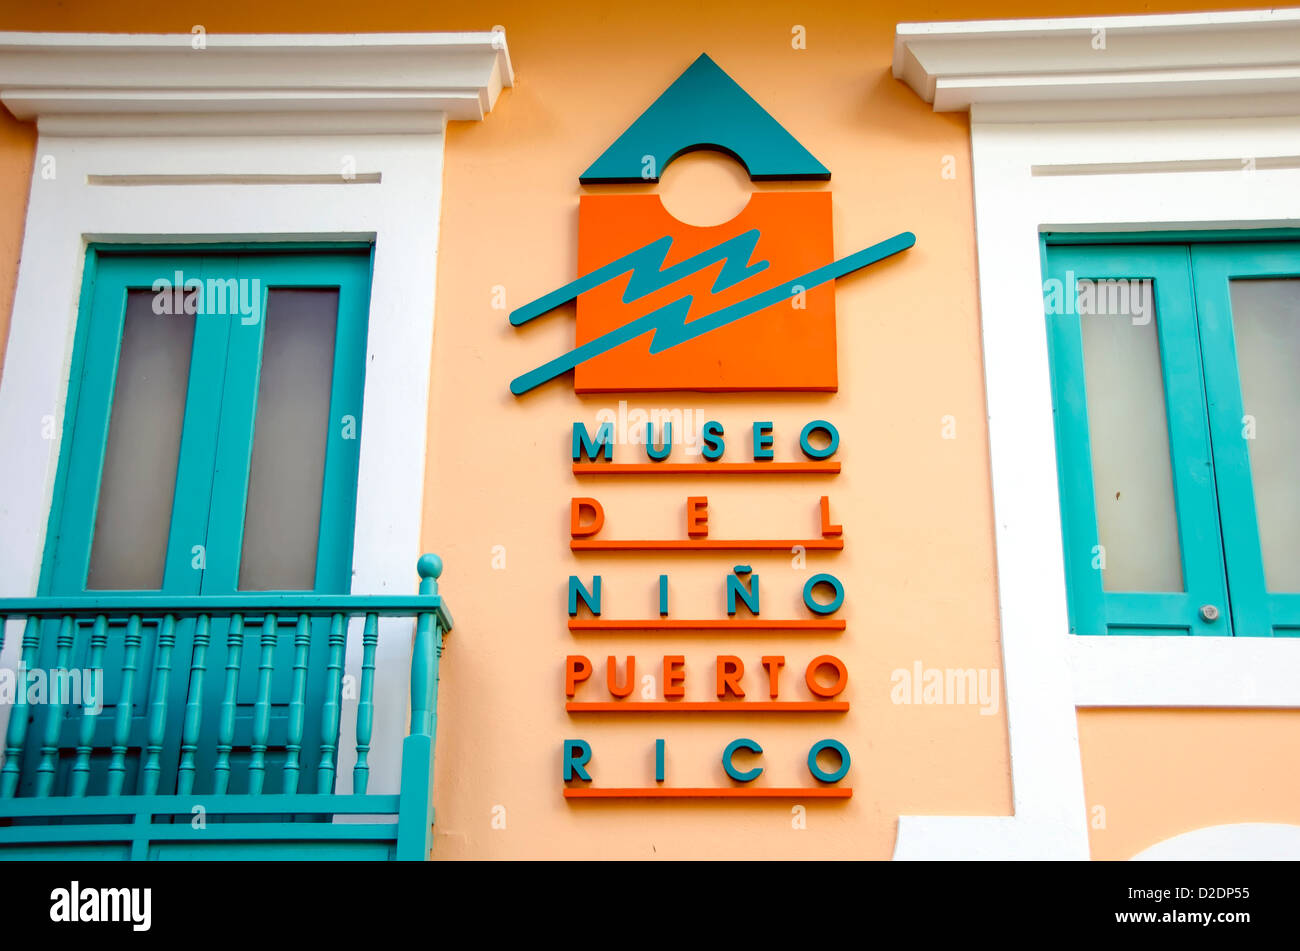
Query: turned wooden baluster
[[425, 651], [226, 730], [89, 716], [122, 724], [297, 705], [330, 712], [162, 678], [414, 833], [194, 705], [262, 709], [16, 738], [49, 761], [366, 705]]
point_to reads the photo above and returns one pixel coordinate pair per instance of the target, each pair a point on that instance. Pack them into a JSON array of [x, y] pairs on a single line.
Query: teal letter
[[590, 598], [737, 587], [832, 434], [658, 454], [830, 607], [714, 447], [818, 773], [762, 441], [749, 775], [577, 754], [604, 442]]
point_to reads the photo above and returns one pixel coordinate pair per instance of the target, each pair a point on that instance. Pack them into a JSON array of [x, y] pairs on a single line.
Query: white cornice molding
[[1240, 63], [252, 84]]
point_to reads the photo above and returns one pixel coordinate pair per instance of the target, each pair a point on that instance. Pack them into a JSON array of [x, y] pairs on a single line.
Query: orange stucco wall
[[919, 560]]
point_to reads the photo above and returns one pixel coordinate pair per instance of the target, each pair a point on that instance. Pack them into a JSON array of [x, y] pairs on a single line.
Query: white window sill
[[1128, 671]]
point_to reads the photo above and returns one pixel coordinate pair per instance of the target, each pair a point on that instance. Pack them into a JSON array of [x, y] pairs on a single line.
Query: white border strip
[[1128, 671]]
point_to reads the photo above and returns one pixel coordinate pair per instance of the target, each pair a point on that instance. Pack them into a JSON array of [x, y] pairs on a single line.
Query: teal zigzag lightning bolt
[[668, 323]]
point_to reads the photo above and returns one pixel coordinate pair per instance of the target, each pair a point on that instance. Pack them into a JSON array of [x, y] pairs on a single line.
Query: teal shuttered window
[[1176, 390], [210, 449], [195, 597]]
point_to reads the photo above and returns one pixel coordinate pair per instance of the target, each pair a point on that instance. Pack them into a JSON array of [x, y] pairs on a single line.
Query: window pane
[[133, 517], [282, 523], [1266, 325], [1129, 436]]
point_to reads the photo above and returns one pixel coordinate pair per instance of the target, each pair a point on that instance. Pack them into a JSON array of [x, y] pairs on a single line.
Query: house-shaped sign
[[662, 305]]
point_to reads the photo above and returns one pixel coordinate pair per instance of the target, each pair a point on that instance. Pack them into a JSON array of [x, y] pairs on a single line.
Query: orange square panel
[[789, 345]]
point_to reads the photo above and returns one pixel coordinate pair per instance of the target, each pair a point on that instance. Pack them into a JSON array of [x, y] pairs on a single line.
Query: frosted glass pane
[[1129, 437], [1266, 324], [138, 483], [282, 523]]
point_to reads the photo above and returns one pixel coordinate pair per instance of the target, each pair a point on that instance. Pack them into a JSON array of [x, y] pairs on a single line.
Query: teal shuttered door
[[210, 447]]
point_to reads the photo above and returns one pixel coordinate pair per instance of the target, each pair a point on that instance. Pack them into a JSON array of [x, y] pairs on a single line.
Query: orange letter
[[773, 664], [674, 675], [578, 670], [576, 528], [841, 680], [697, 516], [827, 527], [611, 676], [730, 670]]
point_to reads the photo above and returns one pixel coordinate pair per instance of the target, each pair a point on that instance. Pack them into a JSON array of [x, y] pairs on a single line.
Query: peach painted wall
[[1158, 773], [919, 562]]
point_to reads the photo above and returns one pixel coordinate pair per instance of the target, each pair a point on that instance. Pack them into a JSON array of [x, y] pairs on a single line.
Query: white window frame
[[1103, 124], [247, 139]]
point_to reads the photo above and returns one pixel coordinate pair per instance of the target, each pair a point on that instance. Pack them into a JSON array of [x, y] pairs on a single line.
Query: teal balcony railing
[[229, 762]]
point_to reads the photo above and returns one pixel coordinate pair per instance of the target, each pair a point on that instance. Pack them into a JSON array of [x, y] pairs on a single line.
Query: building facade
[[837, 435]]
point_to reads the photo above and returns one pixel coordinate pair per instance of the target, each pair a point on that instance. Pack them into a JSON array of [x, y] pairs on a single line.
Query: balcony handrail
[[120, 607], [273, 612]]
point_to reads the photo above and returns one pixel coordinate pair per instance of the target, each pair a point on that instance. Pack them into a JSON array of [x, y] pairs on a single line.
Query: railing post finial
[[430, 569]]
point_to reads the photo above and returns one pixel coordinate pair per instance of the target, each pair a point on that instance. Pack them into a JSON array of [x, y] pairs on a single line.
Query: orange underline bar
[[705, 468], [707, 706], [704, 624], [709, 792], [705, 544]]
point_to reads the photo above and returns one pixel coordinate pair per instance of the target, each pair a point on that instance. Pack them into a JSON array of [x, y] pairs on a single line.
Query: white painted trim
[[1086, 166], [1125, 671], [1200, 184], [251, 188], [1138, 62], [238, 84], [1249, 841]]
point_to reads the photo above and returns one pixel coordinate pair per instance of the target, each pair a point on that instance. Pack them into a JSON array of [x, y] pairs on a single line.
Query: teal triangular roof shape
[[705, 108]]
